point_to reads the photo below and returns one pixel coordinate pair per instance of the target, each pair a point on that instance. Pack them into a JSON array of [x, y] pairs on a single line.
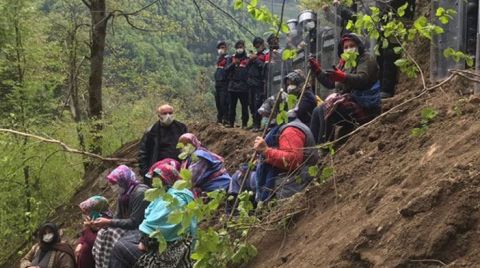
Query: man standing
[[256, 80], [237, 86], [160, 140], [221, 83]]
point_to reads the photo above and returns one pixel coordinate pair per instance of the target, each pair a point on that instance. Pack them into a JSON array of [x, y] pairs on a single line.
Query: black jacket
[[220, 74], [131, 216], [159, 142], [256, 71], [238, 74]]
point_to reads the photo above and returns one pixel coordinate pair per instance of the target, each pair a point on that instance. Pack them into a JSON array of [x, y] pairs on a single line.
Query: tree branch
[[66, 147], [231, 17]]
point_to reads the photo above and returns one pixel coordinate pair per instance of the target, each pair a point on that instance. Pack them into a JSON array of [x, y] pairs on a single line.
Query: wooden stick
[[254, 156]]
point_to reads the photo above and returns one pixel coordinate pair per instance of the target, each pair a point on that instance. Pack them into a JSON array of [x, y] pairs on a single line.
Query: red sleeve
[[289, 154]]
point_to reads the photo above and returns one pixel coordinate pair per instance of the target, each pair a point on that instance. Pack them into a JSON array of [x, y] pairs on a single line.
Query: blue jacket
[[156, 216]]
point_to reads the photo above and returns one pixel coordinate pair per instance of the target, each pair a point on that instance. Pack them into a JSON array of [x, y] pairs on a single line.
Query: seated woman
[[142, 251], [284, 155], [130, 213], [207, 168], [49, 252], [92, 209], [357, 100], [303, 110]]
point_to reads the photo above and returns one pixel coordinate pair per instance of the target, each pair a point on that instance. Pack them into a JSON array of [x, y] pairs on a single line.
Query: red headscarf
[[167, 170]]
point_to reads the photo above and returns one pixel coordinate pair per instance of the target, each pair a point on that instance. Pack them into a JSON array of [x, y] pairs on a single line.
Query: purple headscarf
[[125, 178]]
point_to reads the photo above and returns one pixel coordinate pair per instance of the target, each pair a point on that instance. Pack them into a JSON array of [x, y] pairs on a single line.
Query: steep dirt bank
[[396, 200]]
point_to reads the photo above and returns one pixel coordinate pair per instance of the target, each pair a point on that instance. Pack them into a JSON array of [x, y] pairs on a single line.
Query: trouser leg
[[257, 118], [125, 252], [233, 107], [388, 70], [317, 124], [224, 101], [218, 103], [244, 102]]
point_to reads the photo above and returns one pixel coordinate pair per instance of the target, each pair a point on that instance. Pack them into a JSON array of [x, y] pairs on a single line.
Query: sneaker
[[244, 126], [229, 125], [256, 129], [385, 95]]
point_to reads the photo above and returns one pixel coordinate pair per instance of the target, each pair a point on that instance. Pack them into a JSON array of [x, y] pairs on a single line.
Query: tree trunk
[[99, 32]]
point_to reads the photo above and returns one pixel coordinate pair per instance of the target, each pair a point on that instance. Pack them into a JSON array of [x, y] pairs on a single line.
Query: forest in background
[[163, 53]]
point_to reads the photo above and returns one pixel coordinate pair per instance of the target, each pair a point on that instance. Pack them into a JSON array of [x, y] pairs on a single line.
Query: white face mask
[[221, 51], [240, 50], [352, 49], [166, 119], [47, 238], [292, 88]]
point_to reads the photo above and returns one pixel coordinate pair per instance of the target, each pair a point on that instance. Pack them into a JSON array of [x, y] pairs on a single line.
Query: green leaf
[[313, 171], [186, 174], [292, 101], [288, 54], [327, 172], [238, 4], [162, 243], [284, 28], [397, 50], [254, 3], [157, 182], [350, 25], [181, 184], [401, 10], [154, 193], [175, 217]]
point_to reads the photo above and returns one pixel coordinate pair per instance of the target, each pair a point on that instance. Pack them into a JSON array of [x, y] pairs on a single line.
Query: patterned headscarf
[[125, 178], [96, 207], [192, 139], [167, 173], [169, 161]]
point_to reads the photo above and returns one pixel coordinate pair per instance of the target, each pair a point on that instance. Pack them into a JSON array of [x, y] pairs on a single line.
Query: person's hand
[[337, 75], [315, 65], [234, 60], [252, 56], [260, 145], [141, 247], [78, 249], [101, 222]]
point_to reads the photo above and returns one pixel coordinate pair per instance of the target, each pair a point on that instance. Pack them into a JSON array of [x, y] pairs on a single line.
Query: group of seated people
[[284, 155]]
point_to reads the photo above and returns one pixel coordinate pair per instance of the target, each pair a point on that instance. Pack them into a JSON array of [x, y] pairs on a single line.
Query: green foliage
[[289, 54], [350, 59], [427, 115], [445, 15], [458, 56], [262, 14], [292, 100], [407, 67]]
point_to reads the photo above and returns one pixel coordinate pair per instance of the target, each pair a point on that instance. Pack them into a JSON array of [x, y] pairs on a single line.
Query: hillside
[[395, 200]]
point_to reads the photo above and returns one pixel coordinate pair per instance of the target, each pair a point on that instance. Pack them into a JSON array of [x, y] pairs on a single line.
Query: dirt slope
[[400, 201]]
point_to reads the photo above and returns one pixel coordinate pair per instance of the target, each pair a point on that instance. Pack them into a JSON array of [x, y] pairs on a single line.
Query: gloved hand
[[337, 75], [315, 65]]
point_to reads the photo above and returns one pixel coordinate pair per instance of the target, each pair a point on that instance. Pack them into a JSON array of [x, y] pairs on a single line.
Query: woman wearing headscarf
[[357, 97], [93, 208], [49, 252], [142, 251], [130, 213], [207, 168]]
